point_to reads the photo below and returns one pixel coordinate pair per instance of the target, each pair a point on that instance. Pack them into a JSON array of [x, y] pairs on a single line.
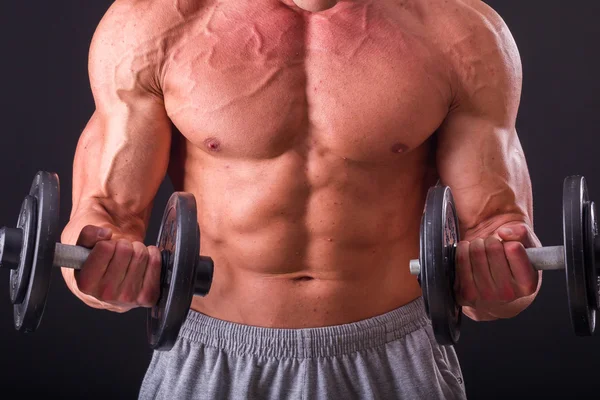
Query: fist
[[121, 274], [494, 271]]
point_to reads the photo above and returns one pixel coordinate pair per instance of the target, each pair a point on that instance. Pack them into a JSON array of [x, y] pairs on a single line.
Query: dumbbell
[[31, 251], [436, 266]]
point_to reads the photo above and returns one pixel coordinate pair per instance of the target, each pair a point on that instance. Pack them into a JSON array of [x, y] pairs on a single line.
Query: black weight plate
[[422, 272], [19, 278], [45, 189], [591, 271], [179, 239], [575, 200], [204, 274], [439, 236]]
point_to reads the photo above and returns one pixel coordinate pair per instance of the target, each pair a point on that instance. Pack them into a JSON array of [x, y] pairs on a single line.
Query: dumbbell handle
[[74, 257], [547, 258], [70, 256], [542, 258]]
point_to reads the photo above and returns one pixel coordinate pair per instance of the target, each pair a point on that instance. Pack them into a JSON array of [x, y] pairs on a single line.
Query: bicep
[[123, 152], [479, 152], [120, 161], [485, 166]]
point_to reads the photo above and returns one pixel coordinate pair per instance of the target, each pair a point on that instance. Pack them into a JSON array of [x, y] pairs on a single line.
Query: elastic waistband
[[305, 343]]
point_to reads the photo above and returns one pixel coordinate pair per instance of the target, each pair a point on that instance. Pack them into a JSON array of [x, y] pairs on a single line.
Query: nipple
[[212, 144], [399, 148]]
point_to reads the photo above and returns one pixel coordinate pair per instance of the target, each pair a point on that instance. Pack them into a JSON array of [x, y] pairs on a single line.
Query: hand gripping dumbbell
[[31, 251], [439, 236]]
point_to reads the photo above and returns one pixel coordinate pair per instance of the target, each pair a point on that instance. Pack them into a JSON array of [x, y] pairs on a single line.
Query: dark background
[[83, 353]]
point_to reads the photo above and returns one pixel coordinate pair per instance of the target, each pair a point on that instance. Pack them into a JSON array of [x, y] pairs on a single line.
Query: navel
[[399, 148], [212, 144], [303, 279]]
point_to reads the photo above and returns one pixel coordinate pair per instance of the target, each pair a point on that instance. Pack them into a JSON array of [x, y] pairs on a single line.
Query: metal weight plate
[[45, 190], [578, 270], [179, 242], [439, 236], [19, 278]]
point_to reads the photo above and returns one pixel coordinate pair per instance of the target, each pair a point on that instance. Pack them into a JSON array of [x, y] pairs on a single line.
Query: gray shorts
[[391, 356]]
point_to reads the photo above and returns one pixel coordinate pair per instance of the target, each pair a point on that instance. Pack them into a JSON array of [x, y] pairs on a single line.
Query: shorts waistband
[[307, 342]]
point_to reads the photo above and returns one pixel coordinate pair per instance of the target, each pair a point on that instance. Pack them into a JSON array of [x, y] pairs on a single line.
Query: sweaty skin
[[309, 140]]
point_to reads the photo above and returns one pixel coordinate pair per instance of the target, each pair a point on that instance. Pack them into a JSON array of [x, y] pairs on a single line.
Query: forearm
[[95, 214]]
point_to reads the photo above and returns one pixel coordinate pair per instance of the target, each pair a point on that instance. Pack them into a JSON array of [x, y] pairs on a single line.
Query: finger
[[88, 278], [116, 270], [524, 275], [481, 270], [91, 234], [500, 270], [464, 283], [148, 296], [132, 283], [519, 233]]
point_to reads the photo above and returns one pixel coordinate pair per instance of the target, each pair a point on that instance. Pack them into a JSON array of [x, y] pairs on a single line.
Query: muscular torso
[[308, 141]]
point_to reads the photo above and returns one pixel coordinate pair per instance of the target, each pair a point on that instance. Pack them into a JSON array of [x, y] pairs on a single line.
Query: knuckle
[[124, 248], [463, 245], [494, 245], [140, 254], [477, 245], [462, 255], [513, 248], [121, 258], [477, 251], [88, 231], [155, 260], [105, 247], [490, 240], [154, 253], [520, 230]]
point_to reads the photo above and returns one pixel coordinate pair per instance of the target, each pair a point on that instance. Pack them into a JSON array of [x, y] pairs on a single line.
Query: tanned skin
[[309, 132]]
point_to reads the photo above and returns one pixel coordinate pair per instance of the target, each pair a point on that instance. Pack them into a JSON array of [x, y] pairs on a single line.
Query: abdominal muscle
[[305, 139], [307, 239]]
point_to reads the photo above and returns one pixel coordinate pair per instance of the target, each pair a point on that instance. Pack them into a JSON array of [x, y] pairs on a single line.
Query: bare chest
[[257, 84]]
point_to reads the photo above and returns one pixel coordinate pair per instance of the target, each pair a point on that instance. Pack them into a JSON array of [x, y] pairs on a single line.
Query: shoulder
[[130, 41], [148, 17], [464, 22], [480, 50], [472, 32], [130, 22]]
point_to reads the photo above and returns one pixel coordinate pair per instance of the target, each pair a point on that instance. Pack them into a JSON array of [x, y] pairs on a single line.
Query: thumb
[[519, 233], [90, 235]]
